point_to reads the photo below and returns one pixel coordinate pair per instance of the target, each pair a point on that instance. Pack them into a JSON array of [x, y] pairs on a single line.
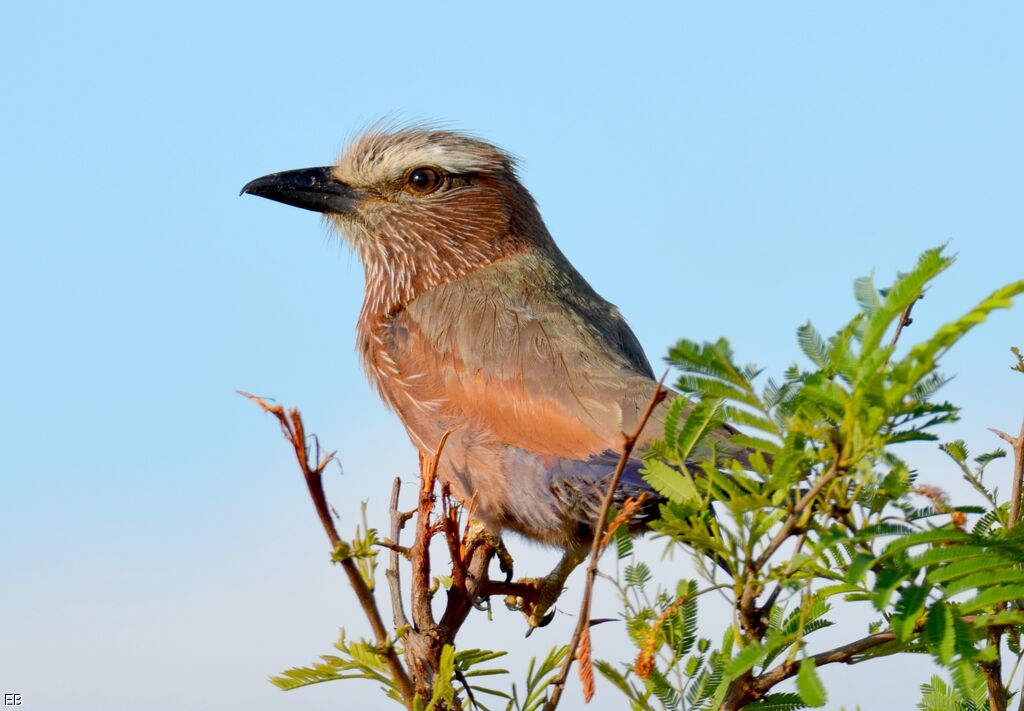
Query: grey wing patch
[[577, 488], [603, 317]]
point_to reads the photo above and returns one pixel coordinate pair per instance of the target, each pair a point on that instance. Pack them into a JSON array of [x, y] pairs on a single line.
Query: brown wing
[[517, 356]]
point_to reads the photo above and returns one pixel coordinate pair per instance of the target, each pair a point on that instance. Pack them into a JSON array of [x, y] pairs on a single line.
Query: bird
[[474, 323]]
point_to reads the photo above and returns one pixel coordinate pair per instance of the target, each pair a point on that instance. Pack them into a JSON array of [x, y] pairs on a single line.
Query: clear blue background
[[712, 170]]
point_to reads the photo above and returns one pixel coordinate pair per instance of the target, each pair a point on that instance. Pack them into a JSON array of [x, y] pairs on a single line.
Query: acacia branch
[[845, 654], [450, 525], [1018, 470], [766, 609], [993, 670], [794, 517], [422, 613], [596, 547], [294, 432], [398, 520]]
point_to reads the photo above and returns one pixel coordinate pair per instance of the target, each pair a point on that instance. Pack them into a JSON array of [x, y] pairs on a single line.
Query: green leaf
[[922, 356], [700, 421], [907, 289], [940, 535], [786, 701], [754, 444], [908, 609], [948, 554], [813, 345], [941, 633], [858, 567], [1002, 593], [444, 692], [959, 569], [675, 411], [866, 294], [623, 542], [742, 662], [812, 691], [985, 579], [956, 449], [674, 485], [937, 695], [637, 574]]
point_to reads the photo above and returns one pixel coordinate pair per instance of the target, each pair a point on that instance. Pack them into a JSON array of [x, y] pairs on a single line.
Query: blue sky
[[713, 170]]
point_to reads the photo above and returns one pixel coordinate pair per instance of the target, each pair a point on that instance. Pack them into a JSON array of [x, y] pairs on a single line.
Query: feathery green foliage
[[807, 511], [822, 510]]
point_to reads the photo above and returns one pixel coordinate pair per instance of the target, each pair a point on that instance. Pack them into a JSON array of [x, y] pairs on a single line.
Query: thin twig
[[766, 609], [558, 685], [993, 670], [392, 574], [294, 431], [845, 654], [450, 525], [1018, 472], [794, 517], [403, 551], [422, 614], [427, 638], [904, 321]]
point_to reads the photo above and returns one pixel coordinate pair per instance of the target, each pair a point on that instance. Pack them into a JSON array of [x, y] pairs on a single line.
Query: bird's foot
[[537, 607], [505, 562], [477, 535]]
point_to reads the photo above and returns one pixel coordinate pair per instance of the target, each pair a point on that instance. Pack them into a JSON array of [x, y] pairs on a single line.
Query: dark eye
[[424, 181]]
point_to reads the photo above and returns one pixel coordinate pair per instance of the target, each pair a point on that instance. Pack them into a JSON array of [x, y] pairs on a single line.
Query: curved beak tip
[[313, 189], [248, 187]]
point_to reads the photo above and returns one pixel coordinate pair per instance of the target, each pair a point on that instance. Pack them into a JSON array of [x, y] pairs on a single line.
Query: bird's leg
[[478, 534], [539, 613], [505, 562]]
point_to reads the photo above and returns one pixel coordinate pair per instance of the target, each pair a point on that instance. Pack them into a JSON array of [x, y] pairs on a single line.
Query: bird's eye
[[424, 181]]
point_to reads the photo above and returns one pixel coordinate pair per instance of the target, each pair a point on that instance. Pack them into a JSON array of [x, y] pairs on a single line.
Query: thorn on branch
[[393, 547]]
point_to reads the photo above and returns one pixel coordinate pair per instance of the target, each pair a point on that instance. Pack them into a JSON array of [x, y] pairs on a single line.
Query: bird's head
[[421, 207]]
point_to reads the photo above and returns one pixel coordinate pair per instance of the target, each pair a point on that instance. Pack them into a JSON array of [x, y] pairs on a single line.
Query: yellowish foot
[[478, 534], [539, 612]]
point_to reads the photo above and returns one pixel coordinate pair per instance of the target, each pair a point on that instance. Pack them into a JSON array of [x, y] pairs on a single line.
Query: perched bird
[[474, 322]]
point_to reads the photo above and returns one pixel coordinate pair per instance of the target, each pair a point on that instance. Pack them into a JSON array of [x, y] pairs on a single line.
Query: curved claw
[[483, 604], [505, 562], [544, 622]]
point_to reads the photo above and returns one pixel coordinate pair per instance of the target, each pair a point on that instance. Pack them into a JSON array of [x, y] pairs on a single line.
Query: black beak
[[310, 188]]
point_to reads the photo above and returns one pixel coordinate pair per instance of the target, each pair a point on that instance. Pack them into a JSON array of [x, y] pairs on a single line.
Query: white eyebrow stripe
[[446, 159], [397, 163], [378, 157]]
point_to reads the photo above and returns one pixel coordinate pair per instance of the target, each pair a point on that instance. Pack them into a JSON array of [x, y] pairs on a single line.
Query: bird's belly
[[505, 489]]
